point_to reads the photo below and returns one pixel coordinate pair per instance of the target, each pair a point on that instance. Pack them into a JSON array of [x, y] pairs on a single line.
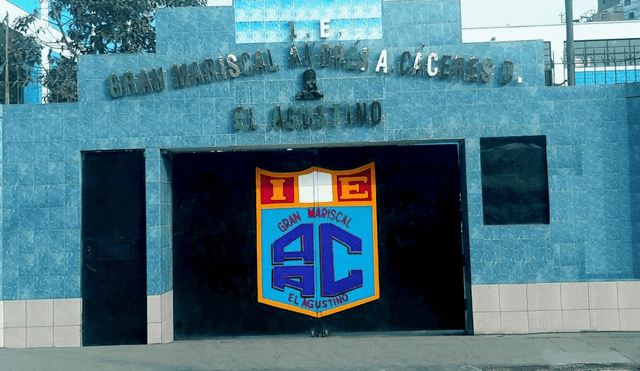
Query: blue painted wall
[[590, 136], [633, 118]]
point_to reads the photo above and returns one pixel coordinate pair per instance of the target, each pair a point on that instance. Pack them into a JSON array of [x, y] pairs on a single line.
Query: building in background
[[617, 10], [605, 52]]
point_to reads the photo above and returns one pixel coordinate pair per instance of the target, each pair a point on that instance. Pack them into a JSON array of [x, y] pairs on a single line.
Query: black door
[[420, 241], [114, 284]]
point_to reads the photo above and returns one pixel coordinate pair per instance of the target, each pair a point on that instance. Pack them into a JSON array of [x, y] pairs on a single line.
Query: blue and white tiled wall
[[259, 21], [591, 242]]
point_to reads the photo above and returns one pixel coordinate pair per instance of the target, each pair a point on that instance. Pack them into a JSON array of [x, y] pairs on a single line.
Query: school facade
[[281, 167]]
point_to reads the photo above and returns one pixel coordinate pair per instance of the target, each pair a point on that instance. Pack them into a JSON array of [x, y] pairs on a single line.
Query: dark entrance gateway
[[422, 250], [114, 274]]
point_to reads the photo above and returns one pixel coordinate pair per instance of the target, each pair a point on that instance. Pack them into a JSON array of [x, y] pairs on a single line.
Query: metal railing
[[598, 62]]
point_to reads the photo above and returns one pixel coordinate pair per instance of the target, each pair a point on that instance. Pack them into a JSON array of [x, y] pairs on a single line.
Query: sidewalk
[[599, 351]]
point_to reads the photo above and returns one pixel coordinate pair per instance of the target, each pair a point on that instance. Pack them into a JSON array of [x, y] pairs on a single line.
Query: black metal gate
[[422, 266], [114, 281]]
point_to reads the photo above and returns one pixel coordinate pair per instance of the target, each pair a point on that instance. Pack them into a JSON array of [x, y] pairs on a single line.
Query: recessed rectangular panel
[[515, 186], [114, 278]]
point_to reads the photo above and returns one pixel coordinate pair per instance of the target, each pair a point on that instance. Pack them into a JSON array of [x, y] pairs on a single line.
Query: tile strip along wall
[[556, 307], [41, 323], [160, 318]]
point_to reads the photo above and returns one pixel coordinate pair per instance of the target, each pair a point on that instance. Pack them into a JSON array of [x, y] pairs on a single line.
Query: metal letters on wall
[[317, 239]]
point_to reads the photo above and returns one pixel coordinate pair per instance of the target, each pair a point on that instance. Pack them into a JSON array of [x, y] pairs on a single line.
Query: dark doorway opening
[[420, 242], [114, 274]]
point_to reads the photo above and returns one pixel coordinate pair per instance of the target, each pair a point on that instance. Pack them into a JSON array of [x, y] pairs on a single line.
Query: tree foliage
[[96, 27], [23, 56], [61, 80]]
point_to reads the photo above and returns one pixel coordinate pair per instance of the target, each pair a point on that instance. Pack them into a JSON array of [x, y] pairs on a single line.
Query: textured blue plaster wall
[[633, 112], [590, 235]]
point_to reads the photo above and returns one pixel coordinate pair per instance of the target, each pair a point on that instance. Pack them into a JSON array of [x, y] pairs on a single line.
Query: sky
[[476, 13], [495, 13]]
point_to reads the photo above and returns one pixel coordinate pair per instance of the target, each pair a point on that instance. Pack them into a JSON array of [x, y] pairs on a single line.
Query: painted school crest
[[317, 239]]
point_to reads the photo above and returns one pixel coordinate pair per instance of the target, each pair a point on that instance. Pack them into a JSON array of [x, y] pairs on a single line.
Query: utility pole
[[6, 60], [571, 61]]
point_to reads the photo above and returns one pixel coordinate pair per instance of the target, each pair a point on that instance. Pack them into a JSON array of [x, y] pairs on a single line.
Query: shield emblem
[[317, 239]]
